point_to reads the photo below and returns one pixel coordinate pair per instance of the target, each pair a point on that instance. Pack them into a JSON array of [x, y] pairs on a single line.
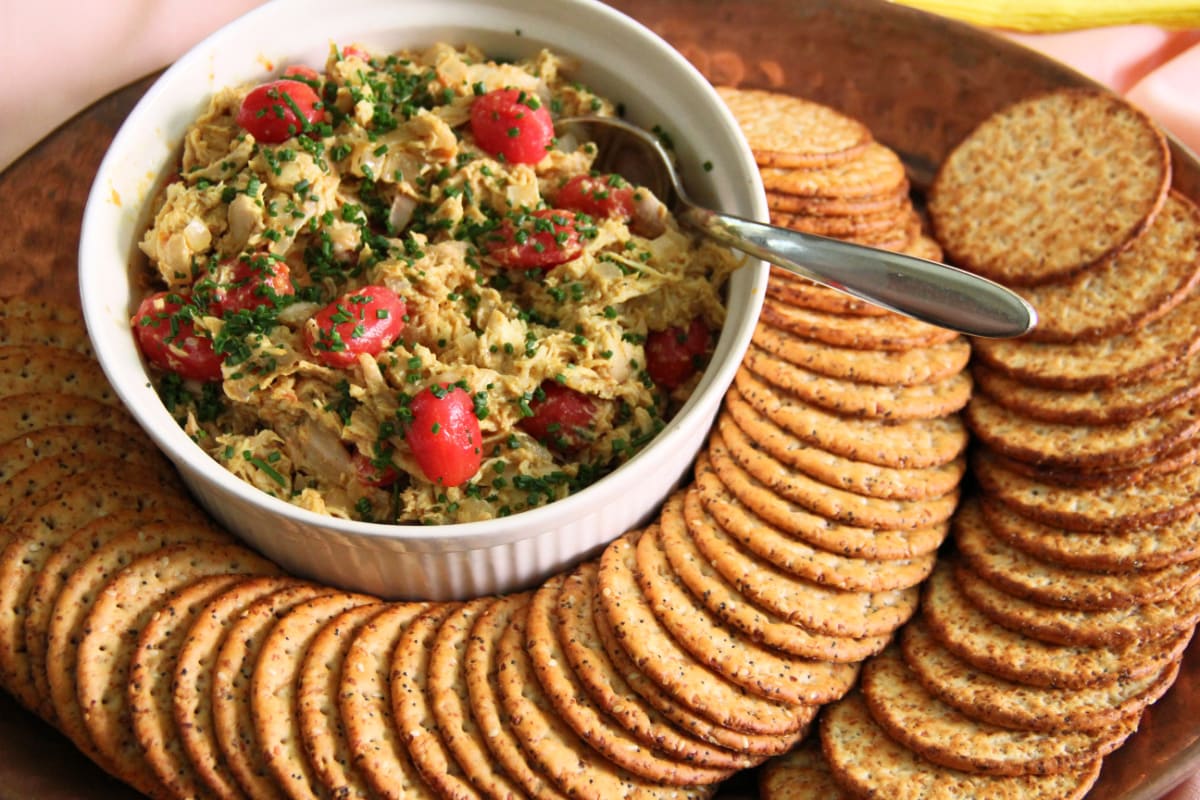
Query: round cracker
[[869, 763], [858, 477], [855, 399], [31, 411], [151, 678], [1013, 705], [1129, 290], [838, 206], [818, 608], [574, 706], [25, 331], [649, 645], [1049, 186], [975, 638], [904, 368], [942, 734], [274, 682], [121, 611], [28, 369], [788, 131], [914, 444], [763, 671], [874, 170], [802, 774], [637, 704], [889, 331], [794, 290]]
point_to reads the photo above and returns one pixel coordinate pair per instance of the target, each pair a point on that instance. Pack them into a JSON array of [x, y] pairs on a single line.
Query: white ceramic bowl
[[621, 60]]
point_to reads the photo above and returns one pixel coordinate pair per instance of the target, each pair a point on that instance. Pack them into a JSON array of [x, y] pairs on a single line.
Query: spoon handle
[[925, 290]]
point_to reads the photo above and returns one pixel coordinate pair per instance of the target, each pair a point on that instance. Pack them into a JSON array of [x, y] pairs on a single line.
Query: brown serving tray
[[919, 82]]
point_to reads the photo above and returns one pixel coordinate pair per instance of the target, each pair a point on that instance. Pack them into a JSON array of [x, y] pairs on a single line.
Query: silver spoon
[[922, 289]]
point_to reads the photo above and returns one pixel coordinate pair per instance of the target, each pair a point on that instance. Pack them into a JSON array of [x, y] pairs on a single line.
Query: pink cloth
[[1157, 70]]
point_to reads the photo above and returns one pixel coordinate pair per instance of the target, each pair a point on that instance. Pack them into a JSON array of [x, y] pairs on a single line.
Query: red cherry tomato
[[444, 435], [351, 50], [366, 320], [275, 112], [302, 72], [170, 342], [561, 419], [257, 281], [512, 125], [373, 474], [673, 355], [597, 196], [540, 240]]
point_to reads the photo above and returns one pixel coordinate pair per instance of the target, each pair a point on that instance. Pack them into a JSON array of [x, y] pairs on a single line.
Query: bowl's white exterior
[[621, 60]]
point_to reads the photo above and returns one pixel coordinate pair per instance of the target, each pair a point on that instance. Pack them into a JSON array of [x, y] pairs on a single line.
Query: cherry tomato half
[[302, 72], [373, 471], [600, 196], [366, 320], [561, 418], [540, 240], [674, 355], [444, 435], [258, 280], [169, 340], [275, 112], [512, 125]]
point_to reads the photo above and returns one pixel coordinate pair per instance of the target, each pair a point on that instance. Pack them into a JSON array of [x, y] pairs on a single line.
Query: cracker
[[1142, 548], [233, 722], [1097, 509], [574, 706], [1142, 283], [42, 309], [1084, 447], [719, 478], [999, 651], [837, 206], [275, 680], [1140, 355], [20, 331], [1016, 706], [1127, 475], [1118, 628], [195, 667], [35, 541], [793, 290], [856, 399], [877, 224], [887, 332], [735, 610], [638, 631], [902, 368], [1049, 186], [874, 170], [120, 613], [788, 131], [551, 745], [836, 504], [1022, 575], [463, 737], [802, 774], [48, 582], [482, 667], [942, 734], [31, 411], [859, 477], [764, 671], [41, 368], [151, 675], [797, 557], [916, 444], [321, 729], [868, 763], [412, 707], [79, 593], [637, 704], [1109, 405], [817, 608]]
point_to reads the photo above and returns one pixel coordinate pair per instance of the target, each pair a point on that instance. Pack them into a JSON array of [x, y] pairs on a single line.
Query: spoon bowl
[[916, 287]]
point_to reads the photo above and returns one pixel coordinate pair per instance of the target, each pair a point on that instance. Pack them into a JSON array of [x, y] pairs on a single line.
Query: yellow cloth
[[1064, 15]]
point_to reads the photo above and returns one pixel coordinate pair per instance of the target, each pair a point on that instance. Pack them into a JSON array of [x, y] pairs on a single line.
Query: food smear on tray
[[387, 292]]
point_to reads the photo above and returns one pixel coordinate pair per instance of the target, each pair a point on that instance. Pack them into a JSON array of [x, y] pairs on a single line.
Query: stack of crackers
[[1074, 584]]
